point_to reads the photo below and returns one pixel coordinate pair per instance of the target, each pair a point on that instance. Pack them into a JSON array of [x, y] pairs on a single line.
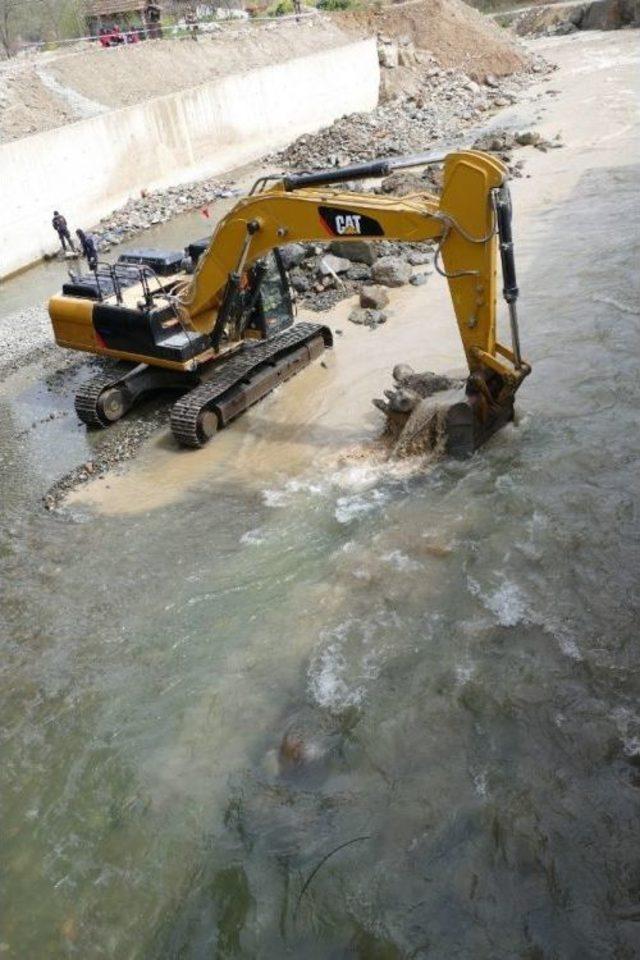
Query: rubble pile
[[323, 274], [503, 143], [438, 110], [157, 206]]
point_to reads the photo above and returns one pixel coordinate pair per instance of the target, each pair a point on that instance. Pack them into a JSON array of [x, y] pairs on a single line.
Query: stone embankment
[[550, 20]]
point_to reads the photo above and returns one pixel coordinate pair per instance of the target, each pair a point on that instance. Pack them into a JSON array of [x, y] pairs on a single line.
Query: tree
[[8, 11], [37, 20]]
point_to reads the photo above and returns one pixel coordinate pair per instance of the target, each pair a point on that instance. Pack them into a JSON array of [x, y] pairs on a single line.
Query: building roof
[[106, 8]]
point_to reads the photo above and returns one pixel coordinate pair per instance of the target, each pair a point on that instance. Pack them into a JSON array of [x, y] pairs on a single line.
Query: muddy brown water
[[452, 651]]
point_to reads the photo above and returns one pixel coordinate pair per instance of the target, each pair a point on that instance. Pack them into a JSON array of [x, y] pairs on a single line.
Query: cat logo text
[[348, 224]]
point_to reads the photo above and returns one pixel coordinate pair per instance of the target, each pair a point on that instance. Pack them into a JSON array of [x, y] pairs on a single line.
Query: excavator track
[[88, 396], [243, 380]]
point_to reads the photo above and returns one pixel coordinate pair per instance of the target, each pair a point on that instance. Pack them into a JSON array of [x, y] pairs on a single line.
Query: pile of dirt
[[454, 33], [436, 109], [26, 104]]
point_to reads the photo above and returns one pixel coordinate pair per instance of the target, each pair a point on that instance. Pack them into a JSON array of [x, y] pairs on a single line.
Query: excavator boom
[[470, 222]]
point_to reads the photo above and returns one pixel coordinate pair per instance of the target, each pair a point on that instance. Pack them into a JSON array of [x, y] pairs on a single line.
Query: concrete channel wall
[[88, 168]]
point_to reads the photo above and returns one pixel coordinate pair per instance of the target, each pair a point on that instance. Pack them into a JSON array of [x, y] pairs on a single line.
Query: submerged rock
[[365, 316], [374, 296]]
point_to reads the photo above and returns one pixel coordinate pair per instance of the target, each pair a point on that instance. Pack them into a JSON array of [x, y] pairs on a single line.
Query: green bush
[[336, 4], [281, 9]]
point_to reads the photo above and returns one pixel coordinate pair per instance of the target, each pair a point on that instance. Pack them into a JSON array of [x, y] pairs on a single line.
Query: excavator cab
[[265, 307], [274, 310]]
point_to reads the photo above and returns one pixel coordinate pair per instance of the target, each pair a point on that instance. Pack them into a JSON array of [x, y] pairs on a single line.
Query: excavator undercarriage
[[216, 327]]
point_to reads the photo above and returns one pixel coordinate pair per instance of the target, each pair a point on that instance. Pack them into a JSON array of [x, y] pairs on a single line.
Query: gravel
[[118, 444], [158, 206], [26, 337]]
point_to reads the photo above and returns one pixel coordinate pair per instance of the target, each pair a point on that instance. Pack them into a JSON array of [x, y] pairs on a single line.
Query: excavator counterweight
[[220, 331]]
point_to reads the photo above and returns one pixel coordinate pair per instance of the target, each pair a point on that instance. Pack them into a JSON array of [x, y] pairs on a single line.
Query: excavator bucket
[[428, 412]]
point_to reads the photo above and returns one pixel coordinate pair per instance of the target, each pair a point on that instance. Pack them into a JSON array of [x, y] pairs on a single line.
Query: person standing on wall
[[59, 224]]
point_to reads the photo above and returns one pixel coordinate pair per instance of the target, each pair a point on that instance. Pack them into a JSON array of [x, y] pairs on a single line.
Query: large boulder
[[610, 14], [374, 297], [330, 264], [292, 254], [391, 271], [388, 53], [359, 251]]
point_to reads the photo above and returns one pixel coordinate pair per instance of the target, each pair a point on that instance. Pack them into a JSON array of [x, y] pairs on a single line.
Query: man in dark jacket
[[59, 224], [88, 247]]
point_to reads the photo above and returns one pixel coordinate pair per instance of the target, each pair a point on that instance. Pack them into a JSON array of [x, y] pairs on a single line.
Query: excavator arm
[[206, 335], [468, 221]]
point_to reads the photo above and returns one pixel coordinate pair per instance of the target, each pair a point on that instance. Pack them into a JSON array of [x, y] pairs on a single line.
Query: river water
[[313, 706]]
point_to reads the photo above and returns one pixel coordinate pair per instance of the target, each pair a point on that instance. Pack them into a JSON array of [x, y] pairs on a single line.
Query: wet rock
[[330, 264], [359, 271], [292, 254], [401, 400], [418, 257], [299, 280], [291, 752], [391, 271], [423, 384], [364, 316], [375, 297], [528, 138], [401, 371], [358, 251]]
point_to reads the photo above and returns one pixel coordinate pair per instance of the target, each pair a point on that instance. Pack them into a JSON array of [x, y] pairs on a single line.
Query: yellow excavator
[[218, 328]]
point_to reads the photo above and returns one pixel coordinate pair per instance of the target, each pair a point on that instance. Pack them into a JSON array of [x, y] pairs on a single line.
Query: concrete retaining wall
[[89, 168]]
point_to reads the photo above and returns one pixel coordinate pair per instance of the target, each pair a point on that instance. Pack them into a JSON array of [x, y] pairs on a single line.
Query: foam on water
[[347, 660], [351, 508], [399, 560], [506, 602], [253, 537]]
